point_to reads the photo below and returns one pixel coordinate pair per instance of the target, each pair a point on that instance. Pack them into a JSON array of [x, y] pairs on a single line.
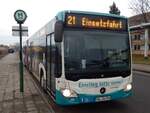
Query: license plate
[[105, 98]]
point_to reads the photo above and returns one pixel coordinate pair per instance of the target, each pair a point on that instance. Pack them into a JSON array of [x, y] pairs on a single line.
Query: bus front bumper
[[84, 98]]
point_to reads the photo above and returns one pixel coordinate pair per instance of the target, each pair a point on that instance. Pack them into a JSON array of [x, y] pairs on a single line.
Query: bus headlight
[[128, 87], [68, 93]]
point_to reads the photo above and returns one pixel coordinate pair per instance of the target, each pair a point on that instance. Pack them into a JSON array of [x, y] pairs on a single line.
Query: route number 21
[[71, 20]]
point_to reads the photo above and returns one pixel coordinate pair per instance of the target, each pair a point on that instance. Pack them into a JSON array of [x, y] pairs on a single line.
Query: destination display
[[95, 22]]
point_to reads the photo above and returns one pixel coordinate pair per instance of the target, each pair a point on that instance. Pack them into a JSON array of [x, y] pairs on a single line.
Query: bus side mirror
[[58, 31]]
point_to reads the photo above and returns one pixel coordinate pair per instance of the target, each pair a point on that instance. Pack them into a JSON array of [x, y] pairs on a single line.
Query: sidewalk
[[141, 67], [11, 100]]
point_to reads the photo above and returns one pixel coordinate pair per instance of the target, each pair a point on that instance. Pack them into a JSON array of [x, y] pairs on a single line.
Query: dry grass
[[139, 59]]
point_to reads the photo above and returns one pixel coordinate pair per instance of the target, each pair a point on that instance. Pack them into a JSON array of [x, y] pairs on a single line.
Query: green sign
[[20, 16]]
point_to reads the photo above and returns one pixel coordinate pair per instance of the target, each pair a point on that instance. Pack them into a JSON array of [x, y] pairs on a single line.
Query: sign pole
[[20, 16], [21, 62]]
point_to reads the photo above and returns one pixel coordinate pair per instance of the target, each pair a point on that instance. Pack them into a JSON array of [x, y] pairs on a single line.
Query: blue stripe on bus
[[84, 98]]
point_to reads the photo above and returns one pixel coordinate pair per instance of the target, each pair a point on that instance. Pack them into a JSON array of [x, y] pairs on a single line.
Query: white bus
[[82, 57]]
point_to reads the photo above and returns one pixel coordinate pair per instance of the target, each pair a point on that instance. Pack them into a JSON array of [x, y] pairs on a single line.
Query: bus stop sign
[[20, 16]]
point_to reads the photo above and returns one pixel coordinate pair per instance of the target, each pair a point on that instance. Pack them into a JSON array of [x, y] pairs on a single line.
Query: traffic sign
[[20, 16], [16, 28], [16, 31]]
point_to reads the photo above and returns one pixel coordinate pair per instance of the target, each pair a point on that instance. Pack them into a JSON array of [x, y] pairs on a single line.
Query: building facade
[[140, 34]]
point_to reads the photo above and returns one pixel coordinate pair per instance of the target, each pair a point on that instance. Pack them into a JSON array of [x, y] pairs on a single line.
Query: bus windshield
[[88, 52]]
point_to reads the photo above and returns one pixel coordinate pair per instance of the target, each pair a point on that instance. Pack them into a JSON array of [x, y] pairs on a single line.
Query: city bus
[[82, 57]]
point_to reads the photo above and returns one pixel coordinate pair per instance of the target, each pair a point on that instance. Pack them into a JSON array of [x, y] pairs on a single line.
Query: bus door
[[50, 64]]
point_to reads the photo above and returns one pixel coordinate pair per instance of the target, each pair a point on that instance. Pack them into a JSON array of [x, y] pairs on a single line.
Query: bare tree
[[140, 7]]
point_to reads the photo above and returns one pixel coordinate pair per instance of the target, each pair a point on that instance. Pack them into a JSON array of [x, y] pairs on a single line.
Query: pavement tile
[[1, 97], [33, 112], [11, 100], [8, 96]]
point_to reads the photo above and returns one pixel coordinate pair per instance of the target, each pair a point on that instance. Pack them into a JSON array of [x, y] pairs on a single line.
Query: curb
[[145, 71]]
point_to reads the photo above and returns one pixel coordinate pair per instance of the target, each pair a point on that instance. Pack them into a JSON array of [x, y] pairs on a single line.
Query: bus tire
[[42, 80]]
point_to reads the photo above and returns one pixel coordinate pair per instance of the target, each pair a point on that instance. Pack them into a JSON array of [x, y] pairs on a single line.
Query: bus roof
[[61, 14]]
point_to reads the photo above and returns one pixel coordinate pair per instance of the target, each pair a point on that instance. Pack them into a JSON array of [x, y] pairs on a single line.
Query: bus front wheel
[[42, 81]]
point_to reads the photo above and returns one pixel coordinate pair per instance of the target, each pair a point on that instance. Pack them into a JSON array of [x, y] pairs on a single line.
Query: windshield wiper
[[97, 74], [103, 63], [116, 54]]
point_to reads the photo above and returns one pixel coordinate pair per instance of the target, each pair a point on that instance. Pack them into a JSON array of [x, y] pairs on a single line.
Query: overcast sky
[[41, 11]]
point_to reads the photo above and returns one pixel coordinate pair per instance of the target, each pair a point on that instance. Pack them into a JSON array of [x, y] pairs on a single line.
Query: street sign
[[20, 16], [16, 28], [16, 31]]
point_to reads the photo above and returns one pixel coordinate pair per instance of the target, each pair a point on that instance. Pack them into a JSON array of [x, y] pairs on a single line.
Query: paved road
[[138, 103]]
